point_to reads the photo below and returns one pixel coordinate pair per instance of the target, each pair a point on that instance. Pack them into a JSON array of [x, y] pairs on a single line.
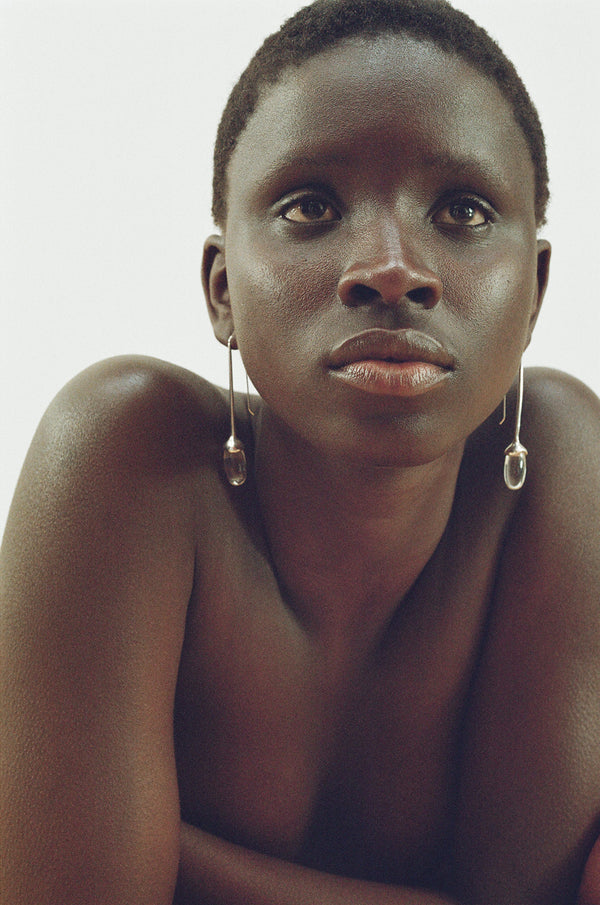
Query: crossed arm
[[215, 872], [220, 873]]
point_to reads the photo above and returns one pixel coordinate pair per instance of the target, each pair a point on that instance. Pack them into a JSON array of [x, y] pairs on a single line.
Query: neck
[[348, 540]]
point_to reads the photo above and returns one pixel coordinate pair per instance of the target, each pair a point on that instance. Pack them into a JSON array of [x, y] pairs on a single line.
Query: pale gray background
[[107, 119]]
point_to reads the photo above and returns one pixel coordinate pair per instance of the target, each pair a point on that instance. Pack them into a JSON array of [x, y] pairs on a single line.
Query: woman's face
[[382, 185]]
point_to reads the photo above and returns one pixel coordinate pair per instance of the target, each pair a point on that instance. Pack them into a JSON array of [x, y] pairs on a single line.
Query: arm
[[530, 785], [96, 569], [215, 872]]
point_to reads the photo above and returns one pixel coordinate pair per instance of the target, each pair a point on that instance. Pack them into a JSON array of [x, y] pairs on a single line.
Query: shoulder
[[104, 522], [550, 565], [136, 405], [124, 446], [531, 775], [557, 517], [562, 416], [97, 568]]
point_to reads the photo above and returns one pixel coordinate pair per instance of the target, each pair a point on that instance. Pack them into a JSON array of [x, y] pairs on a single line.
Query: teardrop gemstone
[[515, 467], [234, 462]]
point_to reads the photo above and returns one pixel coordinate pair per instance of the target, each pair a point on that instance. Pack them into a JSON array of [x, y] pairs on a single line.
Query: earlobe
[[543, 272], [216, 290]]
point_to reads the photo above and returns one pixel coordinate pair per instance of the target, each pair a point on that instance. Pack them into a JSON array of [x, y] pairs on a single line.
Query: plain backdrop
[[107, 117]]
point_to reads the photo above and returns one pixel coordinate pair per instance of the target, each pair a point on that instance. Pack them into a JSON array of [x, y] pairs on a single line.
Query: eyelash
[[303, 200], [460, 200], [465, 201]]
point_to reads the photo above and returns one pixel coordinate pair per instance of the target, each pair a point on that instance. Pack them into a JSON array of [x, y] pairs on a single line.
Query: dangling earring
[[234, 457], [515, 455]]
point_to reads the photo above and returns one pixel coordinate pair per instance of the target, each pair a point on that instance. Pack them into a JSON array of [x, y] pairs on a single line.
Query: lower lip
[[392, 378]]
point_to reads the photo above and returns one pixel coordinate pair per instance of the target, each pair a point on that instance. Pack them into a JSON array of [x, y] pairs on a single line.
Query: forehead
[[391, 99]]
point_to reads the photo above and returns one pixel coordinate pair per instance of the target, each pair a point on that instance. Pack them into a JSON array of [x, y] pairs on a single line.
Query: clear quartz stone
[[234, 461], [515, 467]]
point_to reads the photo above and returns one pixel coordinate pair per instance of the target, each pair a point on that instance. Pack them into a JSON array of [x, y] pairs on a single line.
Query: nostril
[[359, 294], [423, 295], [389, 284]]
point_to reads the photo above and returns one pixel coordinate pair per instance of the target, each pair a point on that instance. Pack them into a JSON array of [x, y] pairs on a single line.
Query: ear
[[216, 290], [543, 272]]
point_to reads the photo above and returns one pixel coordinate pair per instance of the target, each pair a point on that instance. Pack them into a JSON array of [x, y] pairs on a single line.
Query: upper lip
[[391, 345]]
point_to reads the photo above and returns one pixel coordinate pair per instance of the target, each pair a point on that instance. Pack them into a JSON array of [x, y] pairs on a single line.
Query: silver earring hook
[[248, 395]]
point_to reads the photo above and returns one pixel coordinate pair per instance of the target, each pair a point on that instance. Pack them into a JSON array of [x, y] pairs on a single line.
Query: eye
[[310, 209], [463, 212]]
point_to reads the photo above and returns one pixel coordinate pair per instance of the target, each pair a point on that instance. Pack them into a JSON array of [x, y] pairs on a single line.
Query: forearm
[[215, 872]]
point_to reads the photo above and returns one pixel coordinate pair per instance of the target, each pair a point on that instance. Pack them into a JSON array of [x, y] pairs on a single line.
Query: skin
[[371, 674]]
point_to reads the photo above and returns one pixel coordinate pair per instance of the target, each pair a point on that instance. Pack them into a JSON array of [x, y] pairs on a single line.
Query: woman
[[345, 659]]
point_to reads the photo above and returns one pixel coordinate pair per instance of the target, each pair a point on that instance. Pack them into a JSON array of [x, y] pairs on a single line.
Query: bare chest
[[352, 770]]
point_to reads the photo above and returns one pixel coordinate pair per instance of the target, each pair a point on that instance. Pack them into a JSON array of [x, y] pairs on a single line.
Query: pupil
[[313, 210], [462, 212]]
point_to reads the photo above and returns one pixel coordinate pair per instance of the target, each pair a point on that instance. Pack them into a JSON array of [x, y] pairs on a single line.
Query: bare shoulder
[[562, 418], [125, 436], [97, 568], [111, 487], [129, 421], [551, 561], [136, 403], [556, 526], [531, 782]]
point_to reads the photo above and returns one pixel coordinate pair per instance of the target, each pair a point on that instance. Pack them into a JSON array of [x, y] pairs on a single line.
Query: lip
[[391, 362], [391, 345]]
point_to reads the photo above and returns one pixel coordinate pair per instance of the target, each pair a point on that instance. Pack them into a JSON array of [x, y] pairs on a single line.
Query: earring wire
[[234, 457], [248, 395], [515, 455]]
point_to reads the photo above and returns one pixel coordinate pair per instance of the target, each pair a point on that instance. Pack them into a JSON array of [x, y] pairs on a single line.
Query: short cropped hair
[[325, 23]]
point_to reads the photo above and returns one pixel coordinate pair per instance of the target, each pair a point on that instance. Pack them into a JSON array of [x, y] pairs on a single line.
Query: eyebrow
[[440, 162], [456, 164], [466, 172], [299, 162]]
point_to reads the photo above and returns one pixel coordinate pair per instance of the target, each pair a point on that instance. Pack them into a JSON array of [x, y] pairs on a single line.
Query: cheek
[[496, 308], [277, 306], [268, 280], [490, 323]]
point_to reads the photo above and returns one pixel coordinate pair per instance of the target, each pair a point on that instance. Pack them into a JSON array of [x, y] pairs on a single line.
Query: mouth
[[391, 362]]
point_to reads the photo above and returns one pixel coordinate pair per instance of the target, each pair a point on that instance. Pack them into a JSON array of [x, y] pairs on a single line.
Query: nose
[[386, 270]]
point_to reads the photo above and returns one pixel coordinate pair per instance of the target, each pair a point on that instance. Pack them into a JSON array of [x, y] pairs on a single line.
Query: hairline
[[481, 53], [364, 38]]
